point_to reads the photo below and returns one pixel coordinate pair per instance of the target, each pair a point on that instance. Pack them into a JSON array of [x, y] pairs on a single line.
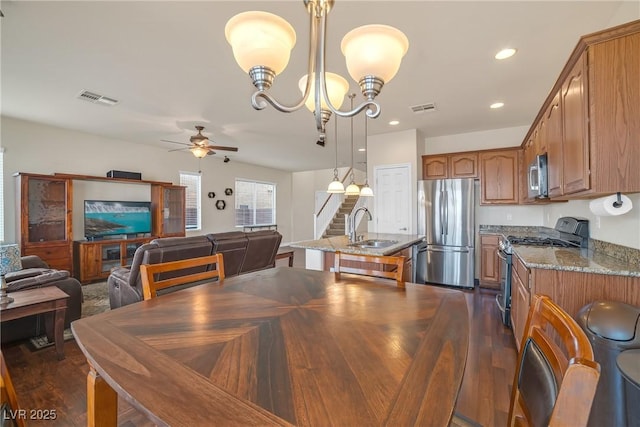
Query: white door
[[392, 199]]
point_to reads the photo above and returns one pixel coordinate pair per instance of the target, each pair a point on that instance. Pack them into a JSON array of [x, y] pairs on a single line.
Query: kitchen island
[[320, 253]]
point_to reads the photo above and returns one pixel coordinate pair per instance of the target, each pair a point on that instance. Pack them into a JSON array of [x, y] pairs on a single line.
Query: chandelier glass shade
[[337, 88], [262, 43]]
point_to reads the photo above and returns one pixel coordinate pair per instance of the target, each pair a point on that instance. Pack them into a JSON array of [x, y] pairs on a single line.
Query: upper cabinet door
[[575, 149], [434, 167], [499, 177], [553, 136], [463, 165]]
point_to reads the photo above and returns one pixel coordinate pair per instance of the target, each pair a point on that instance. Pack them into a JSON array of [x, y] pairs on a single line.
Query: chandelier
[[262, 44]]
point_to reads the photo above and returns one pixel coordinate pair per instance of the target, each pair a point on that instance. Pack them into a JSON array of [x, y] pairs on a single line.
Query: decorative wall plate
[[220, 204], [228, 191], [211, 195]]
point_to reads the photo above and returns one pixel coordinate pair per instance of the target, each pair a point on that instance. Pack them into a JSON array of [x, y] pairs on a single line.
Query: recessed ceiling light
[[361, 149], [505, 53], [394, 122], [497, 105]]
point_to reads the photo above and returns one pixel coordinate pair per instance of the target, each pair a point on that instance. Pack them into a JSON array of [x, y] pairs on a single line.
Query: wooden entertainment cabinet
[[45, 215], [93, 260]]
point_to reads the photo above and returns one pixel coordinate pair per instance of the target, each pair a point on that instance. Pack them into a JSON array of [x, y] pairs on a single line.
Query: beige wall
[[38, 148]]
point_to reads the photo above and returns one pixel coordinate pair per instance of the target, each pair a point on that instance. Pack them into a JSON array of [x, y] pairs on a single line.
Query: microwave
[[538, 184]]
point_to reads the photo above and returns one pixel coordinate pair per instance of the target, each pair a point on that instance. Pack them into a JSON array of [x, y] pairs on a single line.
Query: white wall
[[38, 148], [394, 149], [628, 11], [472, 141], [622, 230]]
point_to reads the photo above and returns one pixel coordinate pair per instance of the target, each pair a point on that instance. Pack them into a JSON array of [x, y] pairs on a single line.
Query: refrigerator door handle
[[446, 212], [460, 250]]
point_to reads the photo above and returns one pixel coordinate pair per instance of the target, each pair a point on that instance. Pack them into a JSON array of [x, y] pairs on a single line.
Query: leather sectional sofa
[[243, 253], [36, 273]]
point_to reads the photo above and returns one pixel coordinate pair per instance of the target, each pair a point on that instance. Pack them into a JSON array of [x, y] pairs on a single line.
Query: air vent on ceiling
[[429, 106], [97, 98]]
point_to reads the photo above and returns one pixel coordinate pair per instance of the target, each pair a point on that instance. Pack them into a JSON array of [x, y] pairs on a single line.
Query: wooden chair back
[[556, 375], [8, 396], [388, 267], [194, 270]]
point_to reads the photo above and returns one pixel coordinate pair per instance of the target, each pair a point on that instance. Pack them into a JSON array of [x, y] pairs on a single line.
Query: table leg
[[59, 332], [102, 401]]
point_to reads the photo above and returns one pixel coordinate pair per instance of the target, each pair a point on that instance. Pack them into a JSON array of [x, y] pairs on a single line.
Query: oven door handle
[[501, 255]]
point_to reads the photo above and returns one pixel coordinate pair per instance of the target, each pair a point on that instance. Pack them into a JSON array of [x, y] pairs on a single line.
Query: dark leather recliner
[[243, 252], [36, 273]]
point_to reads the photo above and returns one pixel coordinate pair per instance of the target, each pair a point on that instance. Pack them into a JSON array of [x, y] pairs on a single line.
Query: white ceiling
[[169, 65]]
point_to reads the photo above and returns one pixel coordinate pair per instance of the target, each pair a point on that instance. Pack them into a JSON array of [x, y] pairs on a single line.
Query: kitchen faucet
[[351, 228]]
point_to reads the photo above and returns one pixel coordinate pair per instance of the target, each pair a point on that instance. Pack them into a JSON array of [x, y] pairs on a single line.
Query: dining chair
[[9, 400], [168, 274], [389, 267], [556, 374]]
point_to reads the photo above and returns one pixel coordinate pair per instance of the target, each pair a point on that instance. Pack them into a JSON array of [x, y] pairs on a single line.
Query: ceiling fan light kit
[[262, 44], [200, 146]]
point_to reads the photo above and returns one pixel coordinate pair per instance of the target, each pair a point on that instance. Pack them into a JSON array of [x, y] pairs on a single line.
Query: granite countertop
[[341, 243], [596, 259]]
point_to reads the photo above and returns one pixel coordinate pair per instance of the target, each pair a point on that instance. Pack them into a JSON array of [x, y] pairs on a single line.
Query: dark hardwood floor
[[43, 382]]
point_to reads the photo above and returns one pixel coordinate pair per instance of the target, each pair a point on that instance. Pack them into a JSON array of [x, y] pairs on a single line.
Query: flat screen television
[[108, 218]]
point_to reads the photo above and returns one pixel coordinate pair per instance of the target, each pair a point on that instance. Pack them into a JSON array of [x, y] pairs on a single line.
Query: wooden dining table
[[283, 346]]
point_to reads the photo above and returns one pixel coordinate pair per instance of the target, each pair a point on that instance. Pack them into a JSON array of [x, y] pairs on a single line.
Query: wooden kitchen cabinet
[[590, 119], [499, 170], [490, 262], [435, 167], [575, 145], [554, 138], [520, 298], [451, 165]]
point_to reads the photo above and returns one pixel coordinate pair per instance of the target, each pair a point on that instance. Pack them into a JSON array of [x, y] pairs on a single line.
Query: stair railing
[[327, 211]]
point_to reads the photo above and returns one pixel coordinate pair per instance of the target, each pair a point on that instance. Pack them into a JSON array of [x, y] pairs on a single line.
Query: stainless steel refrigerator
[[446, 217]]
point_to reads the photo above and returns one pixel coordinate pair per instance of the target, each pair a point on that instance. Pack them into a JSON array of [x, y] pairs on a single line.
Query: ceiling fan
[[200, 146]]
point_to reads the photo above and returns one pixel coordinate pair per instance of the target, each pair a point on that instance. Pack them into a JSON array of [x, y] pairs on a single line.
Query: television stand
[[94, 259]]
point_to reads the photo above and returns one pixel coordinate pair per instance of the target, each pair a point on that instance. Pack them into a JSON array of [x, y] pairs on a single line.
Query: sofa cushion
[[262, 247], [36, 277], [233, 245]]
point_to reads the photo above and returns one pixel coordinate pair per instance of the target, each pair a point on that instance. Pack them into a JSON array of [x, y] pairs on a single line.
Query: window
[[255, 203], [191, 180]]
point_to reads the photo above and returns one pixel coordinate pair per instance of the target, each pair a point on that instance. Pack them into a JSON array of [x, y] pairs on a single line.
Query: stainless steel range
[[569, 232]]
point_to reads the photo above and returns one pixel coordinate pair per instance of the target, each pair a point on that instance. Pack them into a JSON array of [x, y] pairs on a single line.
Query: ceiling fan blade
[[219, 147], [175, 142], [178, 149]]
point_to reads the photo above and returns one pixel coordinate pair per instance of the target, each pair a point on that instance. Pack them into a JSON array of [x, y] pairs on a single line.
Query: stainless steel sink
[[373, 243]]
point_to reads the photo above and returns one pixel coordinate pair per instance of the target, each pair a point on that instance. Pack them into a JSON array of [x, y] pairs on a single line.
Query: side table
[[49, 299]]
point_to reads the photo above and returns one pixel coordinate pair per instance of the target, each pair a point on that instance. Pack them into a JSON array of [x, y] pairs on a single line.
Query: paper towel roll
[[604, 205]]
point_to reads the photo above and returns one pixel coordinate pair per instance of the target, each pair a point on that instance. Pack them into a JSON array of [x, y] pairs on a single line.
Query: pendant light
[[366, 191], [336, 186], [352, 188]]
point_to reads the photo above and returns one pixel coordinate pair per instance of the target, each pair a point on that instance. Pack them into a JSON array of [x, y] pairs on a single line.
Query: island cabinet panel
[[499, 177], [489, 261], [575, 148]]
